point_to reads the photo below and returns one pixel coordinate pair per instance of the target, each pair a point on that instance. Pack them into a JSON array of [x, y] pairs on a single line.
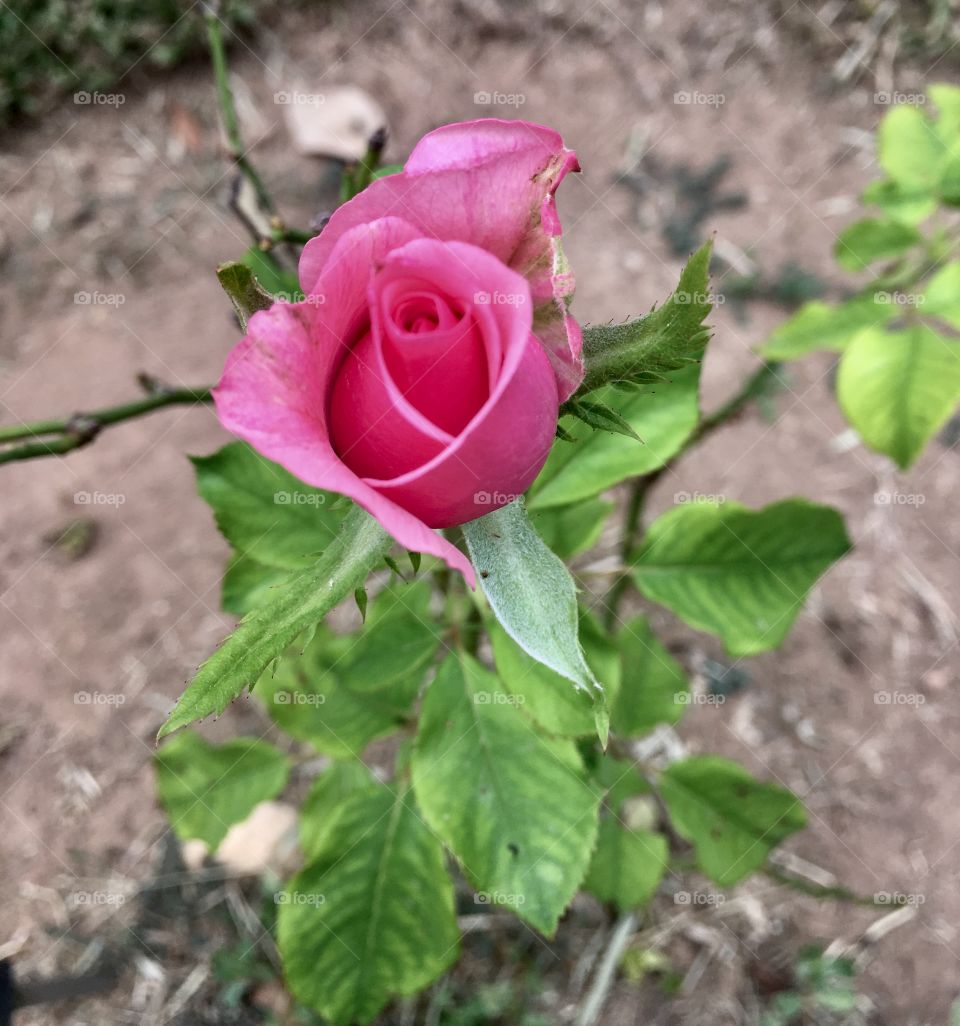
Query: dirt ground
[[97, 638]]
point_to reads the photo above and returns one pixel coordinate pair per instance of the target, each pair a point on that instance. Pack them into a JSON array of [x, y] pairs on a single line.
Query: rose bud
[[422, 374]]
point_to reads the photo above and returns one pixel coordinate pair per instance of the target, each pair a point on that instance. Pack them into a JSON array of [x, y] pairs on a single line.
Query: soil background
[[129, 201]]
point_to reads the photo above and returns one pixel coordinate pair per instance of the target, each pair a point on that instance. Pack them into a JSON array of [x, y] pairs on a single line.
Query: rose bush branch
[[81, 429], [228, 110]]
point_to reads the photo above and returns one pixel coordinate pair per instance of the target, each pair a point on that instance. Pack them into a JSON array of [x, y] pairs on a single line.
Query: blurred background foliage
[[51, 48]]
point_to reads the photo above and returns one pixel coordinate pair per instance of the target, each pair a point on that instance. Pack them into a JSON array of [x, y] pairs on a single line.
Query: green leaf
[[864, 242], [819, 325], [570, 530], [360, 597], [546, 696], [900, 202], [619, 780], [663, 417], [263, 510], [898, 389], [910, 149], [732, 819], [278, 282], [244, 290], [372, 917], [530, 592], [627, 866], [600, 417], [325, 801], [667, 339], [300, 602], [309, 697], [739, 573], [654, 688], [398, 641], [207, 788], [941, 297], [923, 153], [513, 804], [247, 583]]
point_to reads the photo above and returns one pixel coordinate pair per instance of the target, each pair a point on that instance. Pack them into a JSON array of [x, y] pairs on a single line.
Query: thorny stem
[[228, 112], [80, 429]]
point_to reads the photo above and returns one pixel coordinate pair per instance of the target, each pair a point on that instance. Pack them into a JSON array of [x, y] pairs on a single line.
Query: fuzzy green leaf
[[298, 603], [532, 594], [649, 348]]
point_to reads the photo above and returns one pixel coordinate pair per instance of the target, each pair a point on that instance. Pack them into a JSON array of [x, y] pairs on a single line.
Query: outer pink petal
[[273, 390], [490, 183]]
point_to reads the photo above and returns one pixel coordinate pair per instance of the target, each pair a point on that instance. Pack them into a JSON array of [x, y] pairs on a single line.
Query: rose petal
[[496, 457], [489, 183], [274, 387], [441, 367]]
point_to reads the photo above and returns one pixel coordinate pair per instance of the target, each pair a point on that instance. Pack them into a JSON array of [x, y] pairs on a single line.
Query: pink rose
[[422, 374]]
